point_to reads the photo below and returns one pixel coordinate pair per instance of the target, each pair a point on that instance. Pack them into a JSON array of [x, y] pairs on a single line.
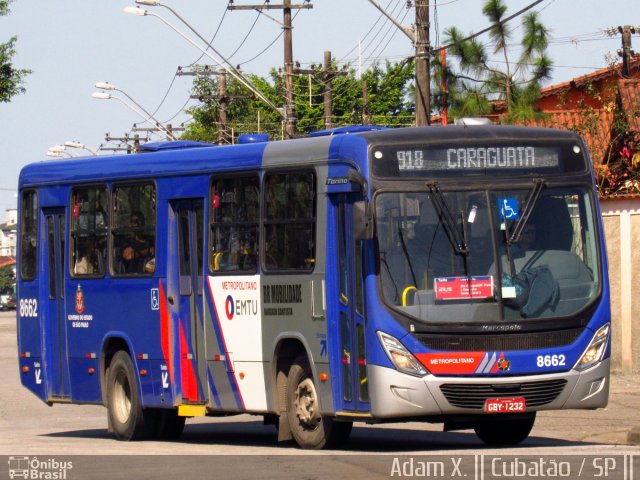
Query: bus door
[[353, 366], [187, 280], [55, 325]]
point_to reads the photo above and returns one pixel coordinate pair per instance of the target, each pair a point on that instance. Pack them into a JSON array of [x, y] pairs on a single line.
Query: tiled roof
[[634, 64], [630, 96], [7, 260], [597, 135], [594, 124]]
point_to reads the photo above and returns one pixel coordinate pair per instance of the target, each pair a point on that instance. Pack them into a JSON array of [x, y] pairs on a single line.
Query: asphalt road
[[28, 427]]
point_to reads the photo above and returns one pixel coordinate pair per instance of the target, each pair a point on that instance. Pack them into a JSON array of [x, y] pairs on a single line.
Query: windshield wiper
[[516, 233], [457, 238]]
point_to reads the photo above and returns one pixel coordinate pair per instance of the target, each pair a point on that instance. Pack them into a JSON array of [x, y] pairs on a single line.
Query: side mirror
[[362, 221]]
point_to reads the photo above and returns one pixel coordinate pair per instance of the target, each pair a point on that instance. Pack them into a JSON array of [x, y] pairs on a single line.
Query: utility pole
[[168, 129], [423, 73], [625, 52], [223, 99], [124, 140], [444, 112], [327, 90], [286, 7], [289, 109], [419, 36]]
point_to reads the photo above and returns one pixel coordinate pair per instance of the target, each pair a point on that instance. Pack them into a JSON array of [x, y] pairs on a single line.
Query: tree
[[7, 278], [245, 112], [11, 79], [389, 101], [481, 80], [390, 93]]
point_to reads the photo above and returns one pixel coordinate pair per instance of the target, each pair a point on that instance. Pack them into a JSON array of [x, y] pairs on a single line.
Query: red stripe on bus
[[187, 374], [165, 335]]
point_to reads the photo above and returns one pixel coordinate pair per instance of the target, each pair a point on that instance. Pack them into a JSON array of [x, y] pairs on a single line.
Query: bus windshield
[[485, 256]]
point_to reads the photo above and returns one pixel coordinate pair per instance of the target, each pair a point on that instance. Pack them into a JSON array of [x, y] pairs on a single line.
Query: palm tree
[[482, 80]]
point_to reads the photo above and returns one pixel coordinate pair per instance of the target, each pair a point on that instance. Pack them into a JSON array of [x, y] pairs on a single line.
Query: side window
[[28, 235], [235, 214], [89, 226], [134, 229], [290, 221]]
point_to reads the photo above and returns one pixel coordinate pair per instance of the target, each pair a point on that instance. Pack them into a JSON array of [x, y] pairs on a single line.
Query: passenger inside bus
[[83, 265], [137, 249]]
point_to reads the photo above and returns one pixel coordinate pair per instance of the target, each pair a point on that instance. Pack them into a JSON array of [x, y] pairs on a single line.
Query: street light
[[58, 151], [142, 113], [110, 86], [141, 12], [72, 144]]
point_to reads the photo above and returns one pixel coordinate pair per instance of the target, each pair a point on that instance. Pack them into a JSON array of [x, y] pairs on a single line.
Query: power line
[[501, 22], [246, 36]]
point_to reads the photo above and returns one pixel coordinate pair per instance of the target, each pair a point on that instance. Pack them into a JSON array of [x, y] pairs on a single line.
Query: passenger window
[[290, 221], [235, 214], [28, 235], [89, 226], [134, 229]]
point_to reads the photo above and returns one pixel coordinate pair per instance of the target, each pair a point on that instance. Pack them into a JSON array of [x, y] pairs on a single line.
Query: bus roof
[[190, 158]]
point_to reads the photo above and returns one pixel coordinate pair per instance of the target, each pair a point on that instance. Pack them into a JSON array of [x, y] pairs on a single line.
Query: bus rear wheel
[[507, 431], [309, 428], [128, 420]]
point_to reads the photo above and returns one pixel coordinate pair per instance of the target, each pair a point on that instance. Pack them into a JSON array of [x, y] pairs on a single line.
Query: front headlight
[[595, 351], [401, 358]]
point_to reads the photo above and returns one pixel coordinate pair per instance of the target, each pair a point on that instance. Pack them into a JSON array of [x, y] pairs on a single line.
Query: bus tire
[[309, 428], [170, 424], [128, 420], [508, 431]]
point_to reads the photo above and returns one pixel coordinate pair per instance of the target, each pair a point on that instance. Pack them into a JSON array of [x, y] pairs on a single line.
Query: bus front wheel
[[128, 420], [508, 431], [309, 428]]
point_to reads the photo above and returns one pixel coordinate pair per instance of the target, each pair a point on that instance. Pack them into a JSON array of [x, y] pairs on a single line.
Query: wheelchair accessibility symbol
[[509, 209], [155, 299]]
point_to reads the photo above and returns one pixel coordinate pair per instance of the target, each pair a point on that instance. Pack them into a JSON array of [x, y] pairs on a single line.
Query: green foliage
[[480, 81], [615, 149], [7, 279], [389, 93], [11, 78], [390, 101], [245, 113]]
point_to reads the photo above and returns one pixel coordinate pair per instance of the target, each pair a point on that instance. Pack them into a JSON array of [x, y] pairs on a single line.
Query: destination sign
[[512, 159]]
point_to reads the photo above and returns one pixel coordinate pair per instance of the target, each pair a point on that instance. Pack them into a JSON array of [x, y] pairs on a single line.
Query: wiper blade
[[516, 233], [444, 213]]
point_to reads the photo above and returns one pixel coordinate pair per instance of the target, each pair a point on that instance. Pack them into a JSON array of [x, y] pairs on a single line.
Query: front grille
[[499, 341], [472, 395]]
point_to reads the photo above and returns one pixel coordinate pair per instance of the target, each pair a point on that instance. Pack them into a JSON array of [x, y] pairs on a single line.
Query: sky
[[72, 44]]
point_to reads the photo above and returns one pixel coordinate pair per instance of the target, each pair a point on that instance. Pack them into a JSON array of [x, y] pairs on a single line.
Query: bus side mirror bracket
[[362, 221]]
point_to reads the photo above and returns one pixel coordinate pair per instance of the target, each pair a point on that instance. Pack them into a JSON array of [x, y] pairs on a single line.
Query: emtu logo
[[229, 307]]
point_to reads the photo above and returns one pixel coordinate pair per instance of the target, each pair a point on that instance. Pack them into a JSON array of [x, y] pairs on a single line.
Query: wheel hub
[[306, 404], [122, 398]]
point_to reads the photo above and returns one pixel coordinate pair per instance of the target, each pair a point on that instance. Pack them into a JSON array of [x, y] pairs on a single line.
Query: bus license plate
[[505, 405]]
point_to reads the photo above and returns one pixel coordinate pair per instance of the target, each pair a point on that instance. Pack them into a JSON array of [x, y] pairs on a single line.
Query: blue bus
[[452, 275]]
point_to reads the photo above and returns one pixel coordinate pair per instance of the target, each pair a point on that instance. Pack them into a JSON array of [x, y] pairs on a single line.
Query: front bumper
[[397, 395]]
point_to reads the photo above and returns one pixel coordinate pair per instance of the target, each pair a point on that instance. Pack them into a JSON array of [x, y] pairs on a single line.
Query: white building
[[8, 233]]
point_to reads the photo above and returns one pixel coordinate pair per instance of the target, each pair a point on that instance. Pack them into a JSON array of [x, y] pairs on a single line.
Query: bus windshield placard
[[465, 159]]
